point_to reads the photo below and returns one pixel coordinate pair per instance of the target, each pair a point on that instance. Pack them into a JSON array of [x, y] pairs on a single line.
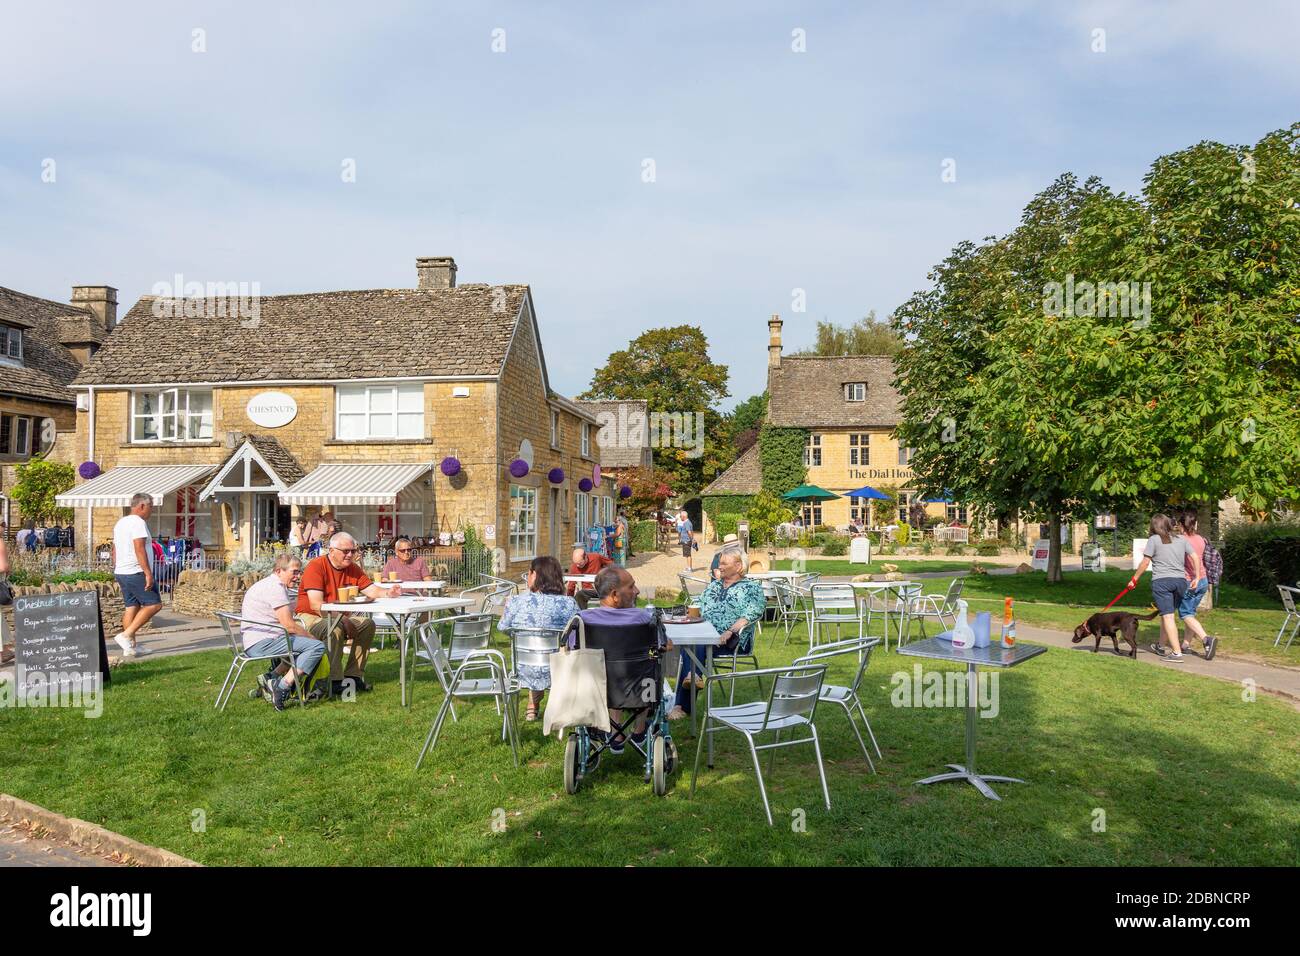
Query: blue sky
[[774, 170]]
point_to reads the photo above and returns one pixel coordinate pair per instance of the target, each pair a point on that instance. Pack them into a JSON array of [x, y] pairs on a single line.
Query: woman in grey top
[[1168, 556]]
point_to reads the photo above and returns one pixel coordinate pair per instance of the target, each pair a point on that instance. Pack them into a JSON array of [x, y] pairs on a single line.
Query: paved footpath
[[19, 847]]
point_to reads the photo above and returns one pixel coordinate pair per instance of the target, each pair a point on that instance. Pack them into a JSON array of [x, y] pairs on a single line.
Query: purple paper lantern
[[518, 468], [88, 470], [450, 466], [555, 476], [625, 492], [584, 485]]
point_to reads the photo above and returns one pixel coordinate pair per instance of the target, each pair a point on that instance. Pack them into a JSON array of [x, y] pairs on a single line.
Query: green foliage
[[781, 458], [988, 547], [671, 370], [474, 552], [867, 336], [1015, 404], [1260, 555], [39, 480], [764, 515], [35, 577], [744, 422], [644, 536], [903, 535], [927, 546], [714, 505], [725, 523], [956, 548], [836, 547]]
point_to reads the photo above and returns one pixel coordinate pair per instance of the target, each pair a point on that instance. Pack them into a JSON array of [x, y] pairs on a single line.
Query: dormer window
[[11, 343], [855, 391]]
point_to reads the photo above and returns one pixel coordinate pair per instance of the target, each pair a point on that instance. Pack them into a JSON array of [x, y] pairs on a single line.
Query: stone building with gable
[[43, 345], [240, 421]]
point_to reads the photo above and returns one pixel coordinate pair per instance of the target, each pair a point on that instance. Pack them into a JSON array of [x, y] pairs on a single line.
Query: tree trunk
[[1054, 547]]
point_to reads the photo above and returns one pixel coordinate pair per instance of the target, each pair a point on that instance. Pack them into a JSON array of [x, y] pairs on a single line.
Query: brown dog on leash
[[1112, 624]]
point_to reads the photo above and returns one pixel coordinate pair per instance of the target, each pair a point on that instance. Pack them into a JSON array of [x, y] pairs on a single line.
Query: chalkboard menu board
[[58, 639]]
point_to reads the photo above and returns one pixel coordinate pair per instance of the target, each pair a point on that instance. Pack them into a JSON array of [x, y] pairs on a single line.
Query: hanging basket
[[450, 466], [88, 470], [584, 485], [625, 491], [555, 476], [518, 468]]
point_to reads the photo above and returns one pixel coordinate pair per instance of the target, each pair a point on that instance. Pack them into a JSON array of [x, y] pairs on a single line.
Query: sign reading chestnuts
[[272, 409]]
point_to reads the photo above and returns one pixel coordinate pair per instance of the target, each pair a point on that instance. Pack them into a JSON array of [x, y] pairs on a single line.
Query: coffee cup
[[693, 612]]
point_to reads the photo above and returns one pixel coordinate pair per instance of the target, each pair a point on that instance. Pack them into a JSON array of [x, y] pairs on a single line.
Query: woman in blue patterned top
[[733, 604], [544, 605]]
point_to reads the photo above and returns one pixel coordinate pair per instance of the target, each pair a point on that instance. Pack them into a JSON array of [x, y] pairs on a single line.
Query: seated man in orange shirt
[[585, 562], [320, 584]]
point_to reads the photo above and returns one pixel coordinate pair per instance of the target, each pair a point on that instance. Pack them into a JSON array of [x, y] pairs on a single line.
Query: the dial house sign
[[272, 409]]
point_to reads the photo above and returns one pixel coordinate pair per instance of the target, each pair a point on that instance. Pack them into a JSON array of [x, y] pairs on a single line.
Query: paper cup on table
[[693, 612]]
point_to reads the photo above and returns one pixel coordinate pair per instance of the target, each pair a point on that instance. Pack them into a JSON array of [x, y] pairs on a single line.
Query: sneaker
[[279, 694], [1210, 644], [617, 745], [128, 649], [1158, 650], [141, 650], [638, 741], [264, 685], [1173, 658]]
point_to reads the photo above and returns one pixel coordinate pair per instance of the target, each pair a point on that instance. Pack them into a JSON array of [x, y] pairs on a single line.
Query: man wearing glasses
[[321, 580], [266, 622], [405, 564]]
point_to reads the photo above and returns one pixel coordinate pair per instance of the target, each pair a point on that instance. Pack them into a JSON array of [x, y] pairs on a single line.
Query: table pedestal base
[[974, 779]]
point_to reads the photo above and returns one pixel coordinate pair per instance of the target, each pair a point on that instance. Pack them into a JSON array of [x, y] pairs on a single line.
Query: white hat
[[729, 538]]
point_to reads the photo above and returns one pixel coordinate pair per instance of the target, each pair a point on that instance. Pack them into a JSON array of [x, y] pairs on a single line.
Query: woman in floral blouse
[[733, 604], [544, 605]]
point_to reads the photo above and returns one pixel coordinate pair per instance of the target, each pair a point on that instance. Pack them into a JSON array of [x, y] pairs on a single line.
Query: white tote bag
[[578, 697]]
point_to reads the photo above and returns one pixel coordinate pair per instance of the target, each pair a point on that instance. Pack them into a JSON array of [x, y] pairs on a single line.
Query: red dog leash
[[1128, 587]]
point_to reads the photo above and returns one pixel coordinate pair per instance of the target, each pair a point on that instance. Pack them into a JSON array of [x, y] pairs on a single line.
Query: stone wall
[[204, 593]]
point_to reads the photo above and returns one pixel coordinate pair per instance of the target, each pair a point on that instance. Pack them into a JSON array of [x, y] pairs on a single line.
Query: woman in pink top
[[1195, 588]]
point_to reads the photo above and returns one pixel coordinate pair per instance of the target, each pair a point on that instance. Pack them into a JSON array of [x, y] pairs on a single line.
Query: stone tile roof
[[622, 452], [47, 367], [744, 477], [278, 457], [330, 336], [808, 392]]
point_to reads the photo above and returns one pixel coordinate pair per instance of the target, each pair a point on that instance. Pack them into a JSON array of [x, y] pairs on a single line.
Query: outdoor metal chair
[[795, 605], [693, 586], [482, 673], [792, 705], [847, 696], [941, 609], [492, 595], [896, 600], [503, 582], [833, 605], [458, 636], [1289, 596], [231, 624], [533, 647]]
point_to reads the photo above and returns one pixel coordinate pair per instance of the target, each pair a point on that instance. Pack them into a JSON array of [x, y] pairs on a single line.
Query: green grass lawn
[[1246, 621], [1184, 769], [842, 567]]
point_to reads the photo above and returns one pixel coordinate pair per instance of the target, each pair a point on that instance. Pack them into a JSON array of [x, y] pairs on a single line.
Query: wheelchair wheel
[[659, 757], [571, 778]]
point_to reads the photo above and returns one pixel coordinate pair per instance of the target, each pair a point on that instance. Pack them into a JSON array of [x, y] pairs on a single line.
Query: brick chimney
[[436, 272], [99, 299], [774, 342]]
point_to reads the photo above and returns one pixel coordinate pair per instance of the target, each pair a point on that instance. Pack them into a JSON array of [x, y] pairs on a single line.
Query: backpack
[[1213, 562], [51, 537]]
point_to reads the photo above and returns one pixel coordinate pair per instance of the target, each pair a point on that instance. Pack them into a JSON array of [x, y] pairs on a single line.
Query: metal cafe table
[[403, 610], [690, 638], [995, 655], [906, 593]]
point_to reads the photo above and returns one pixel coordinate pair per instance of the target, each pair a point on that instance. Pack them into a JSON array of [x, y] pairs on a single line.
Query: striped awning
[[353, 484], [115, 487]]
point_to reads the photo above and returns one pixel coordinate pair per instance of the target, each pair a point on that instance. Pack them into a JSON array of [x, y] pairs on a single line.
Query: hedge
[[714, 505], [644, 536], [725, 524], [1261, 555], [780, 455]]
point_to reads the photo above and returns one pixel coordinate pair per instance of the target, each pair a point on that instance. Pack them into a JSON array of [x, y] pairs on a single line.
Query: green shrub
[[725, 524], [1261, 555], [927, 546], [835, 548], [644, 536], [987, 547], [955, 549], [903, 535]]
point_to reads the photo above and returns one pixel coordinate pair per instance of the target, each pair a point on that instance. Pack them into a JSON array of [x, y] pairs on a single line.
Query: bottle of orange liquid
[[1008, 625]]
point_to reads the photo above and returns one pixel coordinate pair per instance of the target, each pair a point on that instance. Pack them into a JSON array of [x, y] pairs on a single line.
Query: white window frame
[[22, 436], [955, 511], [860, 449], [586, 440], [812, 451], [812, 515], [555, 429], [410, 516], [523, 532], [905, 455], [183, 505], [582, 512], [368, 415], [904, 506], [179, 416], [855, 391]]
